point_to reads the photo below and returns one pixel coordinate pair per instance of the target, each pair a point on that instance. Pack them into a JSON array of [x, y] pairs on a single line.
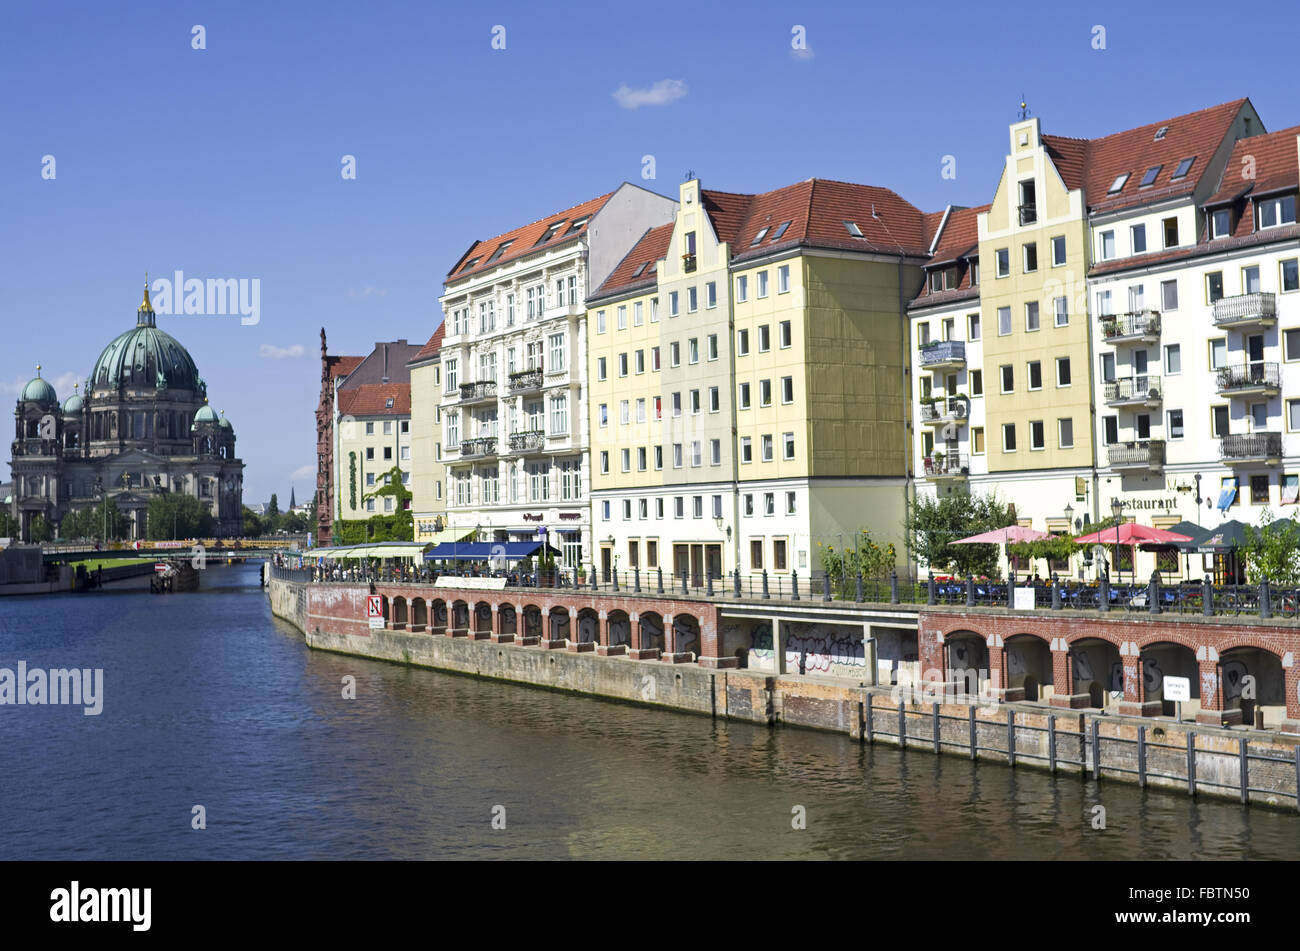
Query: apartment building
[[775, 420], [428, 475], [513, 365]]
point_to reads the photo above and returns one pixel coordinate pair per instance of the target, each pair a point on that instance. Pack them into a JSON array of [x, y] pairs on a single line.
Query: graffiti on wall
[[620, 630], [588, 629], [811, 648]]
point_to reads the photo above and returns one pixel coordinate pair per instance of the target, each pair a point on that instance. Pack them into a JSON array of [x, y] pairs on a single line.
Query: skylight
[[640, 268], [1160, 132], [577, 224], [1118, 184], [1150, 177], [758, 237], [550, 233], [776, 235], [501, 249], [469, 265], [852, 228], [1183, 168]]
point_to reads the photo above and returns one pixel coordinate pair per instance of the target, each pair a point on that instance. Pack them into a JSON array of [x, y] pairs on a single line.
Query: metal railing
[[944, 352], [949, 464], [1028, 213], [1244, 309], [472, 392], [1246, 446], [1144, 388], [482, 446], [1150, 453], [525, 380], [952, 407], [1248, 376], [528, 441], [1130, 326]]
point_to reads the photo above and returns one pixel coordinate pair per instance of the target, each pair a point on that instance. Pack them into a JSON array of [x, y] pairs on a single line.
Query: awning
[[371, 550], [1227, 495], [486, 551]]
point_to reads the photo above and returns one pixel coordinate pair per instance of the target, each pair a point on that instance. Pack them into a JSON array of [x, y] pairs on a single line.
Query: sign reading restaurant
[[1169, 503]]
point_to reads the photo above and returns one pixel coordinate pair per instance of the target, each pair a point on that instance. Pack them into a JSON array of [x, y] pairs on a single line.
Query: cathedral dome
[[146, 357], [206, 414], [39, 391], [72, 404]]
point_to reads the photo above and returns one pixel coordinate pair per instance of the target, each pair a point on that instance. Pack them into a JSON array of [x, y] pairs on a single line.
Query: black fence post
[[929, 591], [893, 586], [902, 725], [1207, 597], [595, 584], [616, 579], [871, 738], [766, 593], [737, 574], [1191, 764], [636, 578], [1103, 592], [1011, 737], [826, 587], [1265, 599], [685, 589], [1051, 742], [1011, 589], [974, 745], [860, 598], [1096, 749], [708, 582], [1056, 593], [660, 589], [970, 590], [794, 584], [1245, 772], [937, 733], [1153, 594]]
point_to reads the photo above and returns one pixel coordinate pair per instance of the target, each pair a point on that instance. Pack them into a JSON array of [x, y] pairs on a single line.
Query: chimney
[[385, 363]]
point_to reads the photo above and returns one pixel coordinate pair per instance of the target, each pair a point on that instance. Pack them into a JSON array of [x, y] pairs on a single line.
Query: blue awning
[[486, 551], [1227, 496]]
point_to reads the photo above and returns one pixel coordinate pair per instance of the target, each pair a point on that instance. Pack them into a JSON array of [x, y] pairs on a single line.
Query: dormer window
[[936, 281], [577, 224], [502, 248], [1117, 185], [1149, 178], [1183, 168], [852, 228], [1220, 223], [469, 265], [776, 235], [1275, 212], [759, 237], [550, 233]]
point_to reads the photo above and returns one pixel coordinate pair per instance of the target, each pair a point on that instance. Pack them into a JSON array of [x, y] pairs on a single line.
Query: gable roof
[[432, 348], [639, 266], [960, 236], [1272, 156], [523, 240], [388, 359], [1095, 164], [342, 366], [371, 399], [726, 210]]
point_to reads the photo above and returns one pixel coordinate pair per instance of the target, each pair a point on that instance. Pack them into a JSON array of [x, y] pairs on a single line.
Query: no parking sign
[[375, 610]]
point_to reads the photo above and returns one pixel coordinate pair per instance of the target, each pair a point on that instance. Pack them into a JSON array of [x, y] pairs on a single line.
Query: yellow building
[[428, 475]]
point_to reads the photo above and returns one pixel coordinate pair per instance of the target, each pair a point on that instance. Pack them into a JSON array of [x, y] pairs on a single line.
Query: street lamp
[[1116, 508]]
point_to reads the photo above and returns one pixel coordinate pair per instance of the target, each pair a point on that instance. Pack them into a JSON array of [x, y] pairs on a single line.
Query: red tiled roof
[[1094, 164], [727, 211], [960, 237], [370, 399], [342, 366], [1274, 159], [645, 255], [1243, 237], [431, 348], [524, 239], [933, 221]]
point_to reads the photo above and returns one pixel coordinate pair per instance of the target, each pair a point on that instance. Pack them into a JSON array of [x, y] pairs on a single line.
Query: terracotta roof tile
[[960, 237], [342, 366], [431, 348], [639, 267], [1272, 156], [726, 210], [1243, 237], [371, 399], [523, 240]]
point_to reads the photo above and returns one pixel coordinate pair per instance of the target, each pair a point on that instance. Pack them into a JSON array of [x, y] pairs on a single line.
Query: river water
[[210, 701]]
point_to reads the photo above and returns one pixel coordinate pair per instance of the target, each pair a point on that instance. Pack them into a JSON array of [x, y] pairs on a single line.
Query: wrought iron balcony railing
[[1121, 328], [1247, 447], [1245, 309], [529, 441], [946, 353], [474, 392], [1139, 389], [946, 466], [1249, 377], [1147, 454], [482, 446], [525, 380]]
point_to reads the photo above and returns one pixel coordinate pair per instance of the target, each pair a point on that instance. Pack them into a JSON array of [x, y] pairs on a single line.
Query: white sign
[[485, 584], [375, 610], [1024, 599], [1178, 688]]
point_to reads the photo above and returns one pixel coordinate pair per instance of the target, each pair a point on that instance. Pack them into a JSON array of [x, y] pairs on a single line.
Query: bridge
[[214, 548]]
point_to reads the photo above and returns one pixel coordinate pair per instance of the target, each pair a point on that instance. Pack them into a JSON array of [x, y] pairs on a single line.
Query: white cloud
[[660, 94], [303, 472], [62, 384], [367, 291], [270, 352]]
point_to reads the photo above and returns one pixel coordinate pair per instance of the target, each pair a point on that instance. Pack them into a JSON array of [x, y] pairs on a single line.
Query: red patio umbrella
[[1003, 536], [1131, 533]]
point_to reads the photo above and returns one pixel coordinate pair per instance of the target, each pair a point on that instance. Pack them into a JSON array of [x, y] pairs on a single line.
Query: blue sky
[[225, 162]]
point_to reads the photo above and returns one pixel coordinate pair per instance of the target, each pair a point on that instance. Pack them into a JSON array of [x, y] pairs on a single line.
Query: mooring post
[[1051, 742], [902, 725], [935, 710], [973, 745], [1096, 749], [871, 738], [1011, 737], [1142, 756], [1191, 764], [1245, 771]]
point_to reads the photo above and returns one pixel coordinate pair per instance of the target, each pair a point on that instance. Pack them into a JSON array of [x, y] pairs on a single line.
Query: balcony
[[952, 465], [1140, 327], [1251, 448], [533, 440], [474, 448], [943, 411], [485, 391], [1249, 379], [35, 447], [1246, 310], [1028, 213], [688, 263], [1137, 391], [525, 380], [946, 355], [1147, 456]]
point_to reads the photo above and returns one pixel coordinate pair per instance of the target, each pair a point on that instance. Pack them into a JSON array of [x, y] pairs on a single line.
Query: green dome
[[225, 423], [72, 404], [39, 391], [206, 414], [145, 356]]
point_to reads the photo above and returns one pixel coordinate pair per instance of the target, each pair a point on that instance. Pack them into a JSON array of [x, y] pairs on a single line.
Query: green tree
[[252, 523], [274, 507], [177, 515], [1273, 550], [8, 524], [933, 524], [865, 557], [104, 515], [400, 527], [41, 530]]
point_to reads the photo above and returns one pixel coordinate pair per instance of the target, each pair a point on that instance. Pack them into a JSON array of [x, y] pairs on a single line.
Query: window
[[717, 506], [1036, 434], [1058, 250], [1149, 178], [654, 359], [600, 368], [677, 455], [1062, 371], [715, 452], [638, 315], [677, 404], [679, 507], [672, 303], [1171, 232], [977, 440], [674, 354], [747, 453], [1110, 430], [974, 273], [1065, 433], [654, 310], [1061, 306], [742, 288], [622, 364], [622, 316], [747, 505], [1221, 223], [693, 350], [1213, 287], [764, 392], [697, 506], [659, 464], [1004, 321], [604, 511], [627, 509], [1117, 185], [626, 456], [972, 326], [764, 339], [787, 446], [1175, 423], [370, 428], [1003, 258], [1031, 315], [640, 409], [1290, 277], [1183, 168], [1173, 359], [711, 295], [1138, 236], [1035, 374], [756, 554], [603, 412], [640, 361], [1259, 490], [715, 403], [744, 396], [762, 284], [1008, 437], [1105, 306], [557, 353], [769, 503], [1218, 353], [1293, 415], [787, 389], [1218, 421], [767, 448], [783, 334], [783, 278], [1008, 378], [1031, 257], [1169, 295], [1106, 245], [658, 407], [1250, 280], [692, 300], [604, 463], [559, 415], [640, 459], [695, 402], [1275, 212], [976, 382], [742, 343], [711, 347], [778, 554]]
